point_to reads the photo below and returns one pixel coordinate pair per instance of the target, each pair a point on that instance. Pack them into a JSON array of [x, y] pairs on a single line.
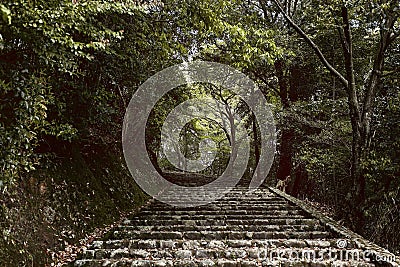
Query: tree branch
[[394, 36], [394, 71], [349, 66], [376, 73], [266, 82], [316, 49]]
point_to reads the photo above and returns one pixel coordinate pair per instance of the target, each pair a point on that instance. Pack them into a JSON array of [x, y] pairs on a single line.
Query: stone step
[[243, 217], [223, 192], [292, 211], [238, 188], [204, 203], [218, 235], [236, 192], [208, 244], [227, 253], [216, 263], [204, 222], [243, 227], [238, 198], [222, 203], [218, 207]]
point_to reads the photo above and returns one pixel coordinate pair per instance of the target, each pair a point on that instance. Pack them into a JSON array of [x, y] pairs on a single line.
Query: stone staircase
[[262, 228]]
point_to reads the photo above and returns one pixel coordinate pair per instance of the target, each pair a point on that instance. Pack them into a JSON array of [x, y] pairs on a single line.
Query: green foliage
[[5, 14], [67, 70], [23, 118], [48, 55]]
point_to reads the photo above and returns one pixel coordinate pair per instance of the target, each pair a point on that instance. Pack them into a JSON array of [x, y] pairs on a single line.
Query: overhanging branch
[[316, 49]]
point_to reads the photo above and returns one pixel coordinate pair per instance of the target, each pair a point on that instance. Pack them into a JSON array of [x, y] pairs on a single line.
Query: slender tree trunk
[[285, 158], [356, 173], [300, 174], [256, 142], [286, 151], [287, 137], [283, 84], [289, 93]]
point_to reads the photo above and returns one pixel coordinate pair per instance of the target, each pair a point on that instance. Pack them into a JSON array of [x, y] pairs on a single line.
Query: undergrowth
[[53, 207]]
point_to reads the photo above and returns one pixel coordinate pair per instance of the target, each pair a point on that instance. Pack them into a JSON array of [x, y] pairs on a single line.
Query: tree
[[361, 93], [67, 70]]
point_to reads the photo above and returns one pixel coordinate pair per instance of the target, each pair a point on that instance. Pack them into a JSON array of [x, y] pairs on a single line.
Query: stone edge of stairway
[[337, 228]]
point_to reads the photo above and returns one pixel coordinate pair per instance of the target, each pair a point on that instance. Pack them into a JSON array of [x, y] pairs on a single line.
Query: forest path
[[262, 228]]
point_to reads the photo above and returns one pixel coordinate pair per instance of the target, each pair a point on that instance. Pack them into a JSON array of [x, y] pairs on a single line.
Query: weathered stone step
[[247, 218], [219, 207], [239, 230], [291, 211], [244, 217], [243, 227], [226, 253], [204, 222], [223, 193], [208, 244], [216, 263], [227, 202], [256, 196], [238, 198], [160, 205], [218, 235]]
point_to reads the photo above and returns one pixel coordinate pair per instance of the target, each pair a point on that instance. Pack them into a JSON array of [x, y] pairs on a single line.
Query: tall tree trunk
[[285, 158], [287, 137], [286, 151], [300, 174], [289, 93], [356, 173], [256, 143]]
